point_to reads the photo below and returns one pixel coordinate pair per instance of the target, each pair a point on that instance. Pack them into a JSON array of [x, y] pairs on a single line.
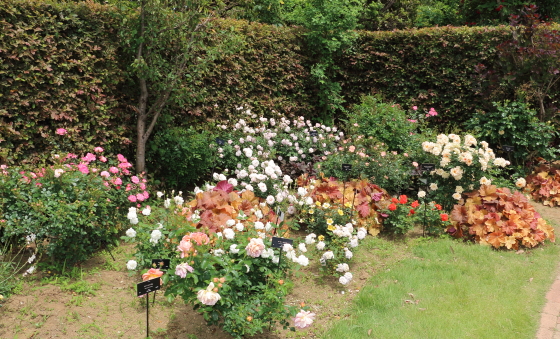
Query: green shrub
[[181, 156], [69, 210], [515, 124]]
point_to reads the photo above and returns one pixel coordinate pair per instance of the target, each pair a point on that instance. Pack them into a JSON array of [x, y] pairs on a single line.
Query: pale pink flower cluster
[[255, 247]]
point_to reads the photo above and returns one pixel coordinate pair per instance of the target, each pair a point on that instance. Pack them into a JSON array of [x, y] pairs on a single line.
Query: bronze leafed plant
[[497, 217]]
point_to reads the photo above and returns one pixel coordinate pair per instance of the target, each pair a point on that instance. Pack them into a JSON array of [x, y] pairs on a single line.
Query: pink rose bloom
[[207, 296], [105, 174], [140, 197], [412, 120], [83, 168], [255, 247], [113, 170], [415, 108], [118, 181], [121, 158], [98, 149], [304, 319], [151, 274], [89, 157], [146, 194], [106, 184], [135, 179], [132, 198], [185, 247], [128, 187], [71, 156], [198, 237], [61, 131], [102, 159], [406, 155], [352, 148], [415, 164], [181, 270], [125, 165], [143, 186], [383, 154]]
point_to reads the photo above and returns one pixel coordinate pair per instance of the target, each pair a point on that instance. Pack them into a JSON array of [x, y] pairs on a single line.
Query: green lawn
[[449, 289]]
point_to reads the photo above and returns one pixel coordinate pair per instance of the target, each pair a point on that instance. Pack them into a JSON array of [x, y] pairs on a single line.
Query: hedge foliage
[[59, 68], [62, 66]]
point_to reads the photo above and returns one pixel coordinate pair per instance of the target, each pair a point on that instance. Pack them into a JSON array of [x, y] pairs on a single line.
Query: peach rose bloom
[[255, 247], [207, 296]]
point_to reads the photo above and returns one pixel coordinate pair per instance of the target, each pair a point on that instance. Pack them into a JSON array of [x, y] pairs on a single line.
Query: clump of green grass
[[448, 289]]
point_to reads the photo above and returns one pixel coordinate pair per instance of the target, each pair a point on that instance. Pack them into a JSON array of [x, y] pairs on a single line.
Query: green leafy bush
[[70, 209], [181, 156], [515, 124]]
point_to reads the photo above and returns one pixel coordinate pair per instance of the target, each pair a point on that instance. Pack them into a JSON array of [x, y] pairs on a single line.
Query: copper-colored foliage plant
[[222, 204], [497, 217], [366, 198], [544, 183]]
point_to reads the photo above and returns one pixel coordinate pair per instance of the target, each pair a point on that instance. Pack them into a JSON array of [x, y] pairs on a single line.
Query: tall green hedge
[[59, 68], [62, 66], [429, 67]]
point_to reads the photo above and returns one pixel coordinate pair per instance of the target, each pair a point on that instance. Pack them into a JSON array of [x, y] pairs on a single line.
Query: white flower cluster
[[132, 216]]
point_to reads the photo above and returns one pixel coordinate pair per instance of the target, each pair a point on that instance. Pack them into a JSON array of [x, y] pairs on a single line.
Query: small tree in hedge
[[171, 40]]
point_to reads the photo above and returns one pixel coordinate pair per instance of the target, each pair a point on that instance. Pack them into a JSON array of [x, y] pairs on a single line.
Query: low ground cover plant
[[544, 183]]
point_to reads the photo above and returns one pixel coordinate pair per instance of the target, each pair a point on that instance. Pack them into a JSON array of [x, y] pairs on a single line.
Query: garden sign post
[[144, 288]]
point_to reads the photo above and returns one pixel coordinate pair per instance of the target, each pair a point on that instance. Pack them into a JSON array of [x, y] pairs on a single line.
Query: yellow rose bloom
[[331, 228], [329, 221], [318, 203], [340, 212], [348, 204], [321, 237], [311, 211]]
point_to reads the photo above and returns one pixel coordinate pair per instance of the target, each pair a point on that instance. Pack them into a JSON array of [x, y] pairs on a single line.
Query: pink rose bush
[[75, 206]]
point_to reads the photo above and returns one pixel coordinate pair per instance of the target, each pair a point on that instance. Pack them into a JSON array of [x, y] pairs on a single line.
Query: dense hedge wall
[[59, 68], [429, 67]]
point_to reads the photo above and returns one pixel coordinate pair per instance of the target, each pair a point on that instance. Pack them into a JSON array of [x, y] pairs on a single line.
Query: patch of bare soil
[[101, 302]]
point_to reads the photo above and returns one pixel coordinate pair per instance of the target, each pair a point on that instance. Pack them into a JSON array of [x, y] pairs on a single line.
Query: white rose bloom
[[218, 252], [159, 194], [421, 194], [520, 183], [433, 186], [155, 236], [232, 181], [230, 223], [303, 260], [131, 233], [343, 280], [342, 267], [259, 225], [275, 259], [259, 214], [166, 203], [268, 226], [310, 239], [328, 255], [354, 242], [207, 296], [239, 227], [458, 189], [270, 200], [302, 247], [456, 196], [348, 254], [309, 201], [262, 187], [131, 265], [233, 249], [134, 221], [146, 211], [229, 233], [320, 245]]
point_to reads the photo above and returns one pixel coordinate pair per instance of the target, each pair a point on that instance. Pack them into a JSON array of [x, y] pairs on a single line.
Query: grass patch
[[448, 289]]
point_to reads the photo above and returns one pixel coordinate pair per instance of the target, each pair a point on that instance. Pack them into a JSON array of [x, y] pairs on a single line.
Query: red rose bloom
[[402, 199], [415, 204], [392, 207], [444, 217], [394, 200], [438, 206], [412, 211]]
